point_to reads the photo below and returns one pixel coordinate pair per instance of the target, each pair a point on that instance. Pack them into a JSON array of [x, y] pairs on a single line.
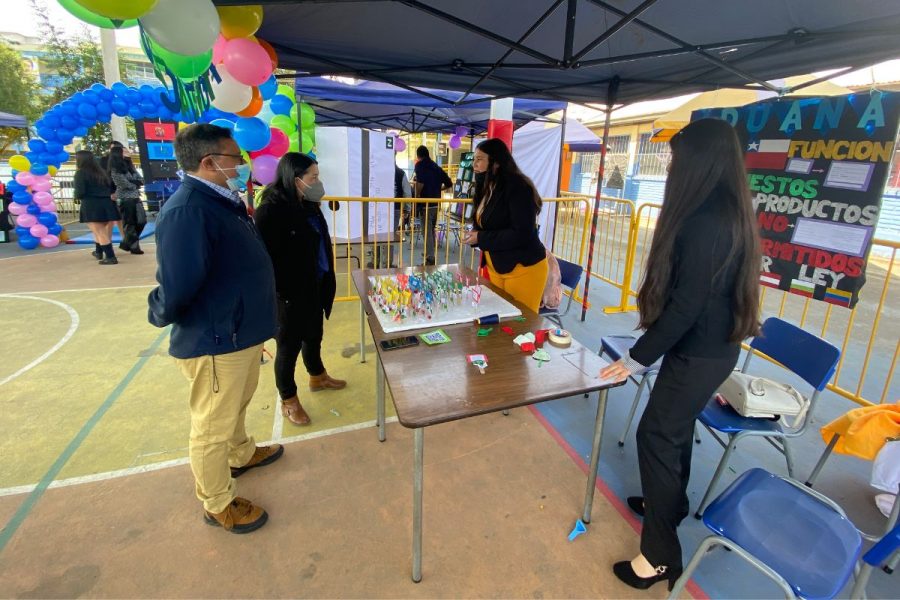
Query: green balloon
[[306, 143], [187, 68], [307, 116], [91, 18], [286, 90], [295, 145], [284, 123], [294, 113]]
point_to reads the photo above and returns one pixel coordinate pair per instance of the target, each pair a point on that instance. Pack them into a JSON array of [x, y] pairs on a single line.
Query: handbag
[[141, 214], [759, 397]]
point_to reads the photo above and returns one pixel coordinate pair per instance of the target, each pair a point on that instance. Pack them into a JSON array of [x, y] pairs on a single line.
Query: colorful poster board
[[817, 168]]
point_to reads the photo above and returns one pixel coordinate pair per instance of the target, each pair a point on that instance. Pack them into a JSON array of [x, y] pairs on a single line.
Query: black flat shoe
[[636, 504], [627, 575]]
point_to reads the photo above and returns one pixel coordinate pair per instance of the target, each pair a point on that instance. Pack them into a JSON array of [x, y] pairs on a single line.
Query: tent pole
[[562, 148], [612, 91]]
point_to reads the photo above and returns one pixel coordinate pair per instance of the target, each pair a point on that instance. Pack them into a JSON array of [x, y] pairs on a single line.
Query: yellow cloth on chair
[[864, 430]]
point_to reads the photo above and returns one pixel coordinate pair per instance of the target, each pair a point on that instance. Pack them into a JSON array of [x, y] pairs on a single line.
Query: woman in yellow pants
[[506, 209]]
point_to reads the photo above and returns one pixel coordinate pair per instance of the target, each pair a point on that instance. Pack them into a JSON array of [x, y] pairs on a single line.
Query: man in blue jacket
[[217, 290]]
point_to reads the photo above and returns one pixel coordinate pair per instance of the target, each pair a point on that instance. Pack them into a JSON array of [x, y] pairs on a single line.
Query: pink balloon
[[17, 209], [39, 230], [26, 220], [41, 186], [399, 144], [264, 168], [44, 177], [24, 178], [219, 49], [279, 143], [49, 241], [42, 197], [247, 61]]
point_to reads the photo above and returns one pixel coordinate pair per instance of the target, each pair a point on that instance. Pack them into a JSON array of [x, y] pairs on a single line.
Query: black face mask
[[480, 177]]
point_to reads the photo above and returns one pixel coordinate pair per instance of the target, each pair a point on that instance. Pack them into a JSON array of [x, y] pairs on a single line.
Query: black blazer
[[698, 317], [293, 244], [508, 229]]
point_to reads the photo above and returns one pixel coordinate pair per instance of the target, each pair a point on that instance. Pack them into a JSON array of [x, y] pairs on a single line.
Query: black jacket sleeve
[[80, 185], [521, 224], [700, 253]]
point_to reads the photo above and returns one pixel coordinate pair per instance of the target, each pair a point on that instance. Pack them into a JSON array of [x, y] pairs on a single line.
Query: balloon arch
[[212, 70]]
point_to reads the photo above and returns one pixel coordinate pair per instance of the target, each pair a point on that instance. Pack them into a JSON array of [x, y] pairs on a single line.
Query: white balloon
[[187, 27], [230, 94]]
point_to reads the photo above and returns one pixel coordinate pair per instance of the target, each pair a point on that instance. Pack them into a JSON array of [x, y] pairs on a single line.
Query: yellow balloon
[[52, 170], [240, 21], [20, 163], [116, 9]]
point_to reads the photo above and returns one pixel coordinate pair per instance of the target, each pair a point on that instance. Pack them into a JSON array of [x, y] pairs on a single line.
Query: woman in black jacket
[[698, 301], [296, 235], [128, 184], [94, 190], [506, 206]]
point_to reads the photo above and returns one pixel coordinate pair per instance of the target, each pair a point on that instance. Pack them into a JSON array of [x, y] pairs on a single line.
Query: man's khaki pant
[[221, 389]]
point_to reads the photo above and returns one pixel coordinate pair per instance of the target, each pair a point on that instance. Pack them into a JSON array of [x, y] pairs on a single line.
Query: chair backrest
[[880, 552], [805, 354], [569, 273]]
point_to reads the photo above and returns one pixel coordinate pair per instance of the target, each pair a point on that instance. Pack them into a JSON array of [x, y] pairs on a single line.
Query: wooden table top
[[436, 384]]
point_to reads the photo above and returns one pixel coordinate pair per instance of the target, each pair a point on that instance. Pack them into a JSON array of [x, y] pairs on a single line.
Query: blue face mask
[[241, 175]]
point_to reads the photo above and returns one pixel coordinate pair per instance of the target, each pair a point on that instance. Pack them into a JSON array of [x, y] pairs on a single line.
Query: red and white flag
[[767, 154]]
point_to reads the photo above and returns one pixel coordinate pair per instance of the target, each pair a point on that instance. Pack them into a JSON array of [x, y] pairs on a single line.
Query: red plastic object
[[540, 336], [527, 347], [502, 129], [507, 329]]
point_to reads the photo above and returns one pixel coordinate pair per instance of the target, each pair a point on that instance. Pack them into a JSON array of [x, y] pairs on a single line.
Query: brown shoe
[[317, 383], [294, 412], [262, 456], [241, 516]]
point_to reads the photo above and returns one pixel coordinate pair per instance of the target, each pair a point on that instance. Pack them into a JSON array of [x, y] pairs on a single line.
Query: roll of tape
[[560, 338]]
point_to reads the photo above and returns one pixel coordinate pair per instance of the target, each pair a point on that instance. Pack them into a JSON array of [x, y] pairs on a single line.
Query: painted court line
[[73, 325], [692, 587], [278, 422], [177, 462], [25, 508], [97, 289]]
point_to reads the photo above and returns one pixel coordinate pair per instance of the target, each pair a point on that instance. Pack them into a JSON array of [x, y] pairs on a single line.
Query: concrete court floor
[[138, 432]]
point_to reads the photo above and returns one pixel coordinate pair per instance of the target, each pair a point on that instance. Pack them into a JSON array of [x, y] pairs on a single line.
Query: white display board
[[490, 304], [381, 184], [339, 153]]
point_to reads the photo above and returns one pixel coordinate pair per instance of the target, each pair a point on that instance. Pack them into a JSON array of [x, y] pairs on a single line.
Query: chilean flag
[[767, 154]]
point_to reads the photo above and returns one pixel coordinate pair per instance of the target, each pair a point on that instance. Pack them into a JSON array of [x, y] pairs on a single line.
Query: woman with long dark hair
[[698, 301], [128, 193], [296, 235], [506, 206], [94, 191]]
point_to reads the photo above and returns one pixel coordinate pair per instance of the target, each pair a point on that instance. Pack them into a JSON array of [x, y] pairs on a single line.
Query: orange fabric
[[525, 284], [864, 430]]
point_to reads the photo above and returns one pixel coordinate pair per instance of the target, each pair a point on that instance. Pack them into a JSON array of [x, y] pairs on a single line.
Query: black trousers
[[665, 440], [300, 332], [131, 235]]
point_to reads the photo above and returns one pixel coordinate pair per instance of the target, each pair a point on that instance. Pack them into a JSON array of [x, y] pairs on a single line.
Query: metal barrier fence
[[64, 196], [870, 330]]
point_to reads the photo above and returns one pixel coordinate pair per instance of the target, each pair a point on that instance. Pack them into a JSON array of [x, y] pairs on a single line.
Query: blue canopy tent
[[377, 105], [11, 120]]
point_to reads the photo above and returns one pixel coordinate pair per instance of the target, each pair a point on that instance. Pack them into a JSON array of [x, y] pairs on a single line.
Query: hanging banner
[[817, 168]]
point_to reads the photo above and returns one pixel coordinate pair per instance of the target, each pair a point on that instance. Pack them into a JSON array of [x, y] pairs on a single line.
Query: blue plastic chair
[[797, 537], [799, 351], [570, 277]]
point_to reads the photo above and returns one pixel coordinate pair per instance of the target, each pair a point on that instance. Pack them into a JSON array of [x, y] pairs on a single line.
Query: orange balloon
[[269, 50], [252, 109]]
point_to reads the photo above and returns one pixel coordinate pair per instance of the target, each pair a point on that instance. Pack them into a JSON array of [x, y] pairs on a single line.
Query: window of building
[[652, 157]]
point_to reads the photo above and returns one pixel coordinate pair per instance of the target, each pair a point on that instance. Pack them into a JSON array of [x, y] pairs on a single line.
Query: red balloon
[[278, 144]]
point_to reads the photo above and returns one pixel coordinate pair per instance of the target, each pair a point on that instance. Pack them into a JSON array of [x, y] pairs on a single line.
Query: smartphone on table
[[401, 342]]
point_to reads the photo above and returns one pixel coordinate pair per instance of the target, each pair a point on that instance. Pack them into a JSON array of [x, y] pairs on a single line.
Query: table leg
[[595, 457], [418, 447], [362, 330], [379, 397]]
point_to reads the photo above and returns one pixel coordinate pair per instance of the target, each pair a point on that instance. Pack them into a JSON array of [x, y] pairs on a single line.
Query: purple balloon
[[462, 131], [264, 168], [399, 144], [455, 142]]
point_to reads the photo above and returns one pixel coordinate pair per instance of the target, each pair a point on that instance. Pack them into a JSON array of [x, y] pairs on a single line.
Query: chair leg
[[719, 470], [705, 546], [788, 457], [506, 413], [696, 433], [858, 591], [634, 405], [825, 454]]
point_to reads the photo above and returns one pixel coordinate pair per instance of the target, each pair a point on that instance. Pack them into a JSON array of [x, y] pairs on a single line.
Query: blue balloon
[[80, 132], [119, 107], [32, 156], [251, 134], [90, 97], [149, 92], [65, 136], [47, 133], [55, 229], [164, 113], [14, 186], [104, 118], [22, 198], [213, 113], [104, 108], [44, 158], [223, 123], [148, 109], [36, 145], [50, 120], [67, 108], [119, 88], [135, 112], [28, 242], [132, 96], [20, 231], [54, 147], [268, 88], [61, 157], [68, 122], [106, 95], [281, 104], [39, 169], [33, 209], [88, 111], [47, 218]]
